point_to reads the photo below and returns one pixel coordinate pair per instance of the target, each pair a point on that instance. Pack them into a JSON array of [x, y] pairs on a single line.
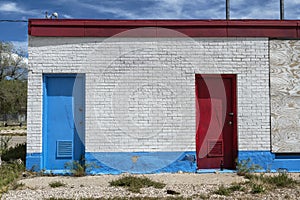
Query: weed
[[76, 168], [245, 167], [260, 183], [280, 180], [42, 172], [257, 188], [16, 185], [134, 184], [249, 176], [79, 168], [222, 190], [9, 172], [236, 187], [56, 184]]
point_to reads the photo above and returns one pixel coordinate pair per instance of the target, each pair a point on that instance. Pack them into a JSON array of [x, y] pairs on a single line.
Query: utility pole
[[281, 9], [228, 9]]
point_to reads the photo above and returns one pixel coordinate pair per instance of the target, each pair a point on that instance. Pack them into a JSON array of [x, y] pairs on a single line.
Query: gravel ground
[[195, 186]]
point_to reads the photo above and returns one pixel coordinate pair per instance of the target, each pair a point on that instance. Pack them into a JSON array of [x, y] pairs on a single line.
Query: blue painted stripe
[[33, 161], [268, 161], [141, 162], [169, 162], [172, 162]]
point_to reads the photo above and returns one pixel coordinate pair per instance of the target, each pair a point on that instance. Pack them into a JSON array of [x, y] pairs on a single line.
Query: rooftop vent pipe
[[281, 9], [227, 9]]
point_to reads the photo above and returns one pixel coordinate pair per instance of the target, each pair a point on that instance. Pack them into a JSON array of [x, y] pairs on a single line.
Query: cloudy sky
[[134, 9]]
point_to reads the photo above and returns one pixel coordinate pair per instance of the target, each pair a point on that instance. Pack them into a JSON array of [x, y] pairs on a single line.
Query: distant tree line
[[13, 96], [13, 79]]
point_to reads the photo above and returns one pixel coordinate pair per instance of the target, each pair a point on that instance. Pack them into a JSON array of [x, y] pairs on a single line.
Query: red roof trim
[[194, 28]]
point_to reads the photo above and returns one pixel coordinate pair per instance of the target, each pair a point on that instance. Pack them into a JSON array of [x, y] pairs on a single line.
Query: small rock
[[24, 174], [172, 192]]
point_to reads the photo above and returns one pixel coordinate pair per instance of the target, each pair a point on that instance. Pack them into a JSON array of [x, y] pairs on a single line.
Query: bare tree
[[13, 76], [13, 65]]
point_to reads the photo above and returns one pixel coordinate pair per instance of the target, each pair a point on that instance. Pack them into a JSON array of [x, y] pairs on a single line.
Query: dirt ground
[[103, 180], [188, 186]]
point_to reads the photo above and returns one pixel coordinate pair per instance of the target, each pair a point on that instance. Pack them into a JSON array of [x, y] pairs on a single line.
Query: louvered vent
[[64, 149], [215, 148]]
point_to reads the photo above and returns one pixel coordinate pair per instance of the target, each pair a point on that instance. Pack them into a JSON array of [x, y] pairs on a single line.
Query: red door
[[216, 124]]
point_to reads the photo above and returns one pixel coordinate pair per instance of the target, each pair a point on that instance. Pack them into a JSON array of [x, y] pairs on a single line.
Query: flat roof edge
[[192, 28]]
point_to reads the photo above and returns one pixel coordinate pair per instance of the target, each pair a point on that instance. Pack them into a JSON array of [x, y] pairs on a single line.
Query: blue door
[[63, 131]]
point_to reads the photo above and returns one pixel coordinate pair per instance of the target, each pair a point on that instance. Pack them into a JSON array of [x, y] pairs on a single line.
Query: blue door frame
[[63, 119]]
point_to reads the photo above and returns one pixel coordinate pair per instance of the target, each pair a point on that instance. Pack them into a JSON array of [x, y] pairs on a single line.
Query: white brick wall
[[140, 92], [34, 112]]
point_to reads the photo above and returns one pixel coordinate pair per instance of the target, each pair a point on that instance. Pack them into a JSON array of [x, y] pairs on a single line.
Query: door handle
[[230, 122], [231, 114]]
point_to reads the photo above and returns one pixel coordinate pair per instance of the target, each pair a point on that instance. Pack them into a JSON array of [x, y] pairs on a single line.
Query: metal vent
[[215, 148], [64, 149]]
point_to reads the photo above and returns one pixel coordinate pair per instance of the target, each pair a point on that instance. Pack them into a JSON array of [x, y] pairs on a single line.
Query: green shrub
[[14, 153], [226, 191], [79, 168], [280, 180], [134, 184], [9, 172], [56, 184], [236, 187], [257, 188], [245, 167], [16, 185], [222, 190], [76, 168]]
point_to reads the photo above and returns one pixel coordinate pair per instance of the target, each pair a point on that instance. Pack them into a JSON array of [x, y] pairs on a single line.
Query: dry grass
[[134, 184]]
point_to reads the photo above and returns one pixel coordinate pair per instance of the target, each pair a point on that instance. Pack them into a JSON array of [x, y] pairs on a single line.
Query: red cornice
[[289, 29]]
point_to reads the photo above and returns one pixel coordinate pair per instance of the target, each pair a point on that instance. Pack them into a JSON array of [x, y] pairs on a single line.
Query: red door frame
[[233, 78]]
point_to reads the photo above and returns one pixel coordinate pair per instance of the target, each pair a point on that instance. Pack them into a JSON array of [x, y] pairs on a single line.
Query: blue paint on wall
[[268, 161], [33, 161], [170, 162], [141, 162]]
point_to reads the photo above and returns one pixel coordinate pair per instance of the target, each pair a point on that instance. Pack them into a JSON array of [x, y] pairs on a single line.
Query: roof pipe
[[281, 9], [227, 9]]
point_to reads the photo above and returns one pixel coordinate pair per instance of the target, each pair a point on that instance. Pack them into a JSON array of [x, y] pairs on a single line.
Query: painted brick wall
[[34, 110], [140, 93], [285, 95]]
